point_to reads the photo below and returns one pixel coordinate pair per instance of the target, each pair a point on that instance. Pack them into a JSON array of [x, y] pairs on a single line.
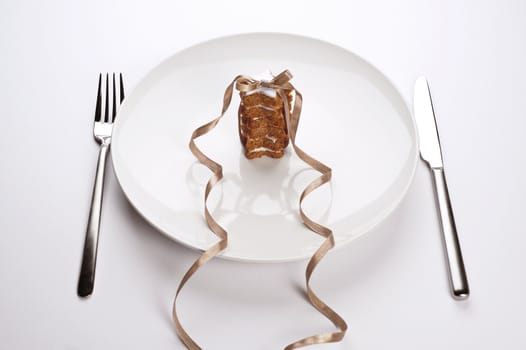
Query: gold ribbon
[[281, 84]]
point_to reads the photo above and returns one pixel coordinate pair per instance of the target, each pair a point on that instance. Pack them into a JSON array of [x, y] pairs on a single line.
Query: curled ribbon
[[281, 84]]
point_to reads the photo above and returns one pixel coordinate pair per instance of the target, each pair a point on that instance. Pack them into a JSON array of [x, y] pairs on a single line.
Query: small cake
[[262, 125]]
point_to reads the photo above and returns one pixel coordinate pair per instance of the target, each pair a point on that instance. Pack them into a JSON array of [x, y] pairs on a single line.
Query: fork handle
[[89, 256], [457, 272]]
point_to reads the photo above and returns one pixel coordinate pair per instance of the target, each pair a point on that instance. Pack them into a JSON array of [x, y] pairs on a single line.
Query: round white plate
[[353, 120]]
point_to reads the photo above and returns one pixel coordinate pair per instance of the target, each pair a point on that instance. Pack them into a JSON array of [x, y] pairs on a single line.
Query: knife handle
[[457, 273]]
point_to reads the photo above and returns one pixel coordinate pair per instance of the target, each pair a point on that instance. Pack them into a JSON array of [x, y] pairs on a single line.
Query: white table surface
[[389, 285]]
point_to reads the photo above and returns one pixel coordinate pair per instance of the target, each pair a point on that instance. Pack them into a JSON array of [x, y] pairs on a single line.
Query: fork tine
[[106, 107], [97, 108], [122, 87], [114, 108]]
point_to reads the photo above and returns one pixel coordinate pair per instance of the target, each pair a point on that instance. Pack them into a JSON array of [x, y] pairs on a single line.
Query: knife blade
[[425, 119], [431, 153]]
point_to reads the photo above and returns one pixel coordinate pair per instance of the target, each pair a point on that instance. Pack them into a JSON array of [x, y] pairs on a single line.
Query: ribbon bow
[[281, 81]]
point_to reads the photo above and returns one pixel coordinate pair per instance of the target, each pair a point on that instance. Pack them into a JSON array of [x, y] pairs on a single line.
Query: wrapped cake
[[262, 124]]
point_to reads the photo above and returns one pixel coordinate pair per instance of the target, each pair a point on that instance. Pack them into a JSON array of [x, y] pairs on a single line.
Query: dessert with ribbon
[[262, 124], [268, 121]]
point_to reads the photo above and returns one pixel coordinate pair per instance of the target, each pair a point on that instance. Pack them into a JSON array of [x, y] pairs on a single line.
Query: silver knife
[[431, 153]]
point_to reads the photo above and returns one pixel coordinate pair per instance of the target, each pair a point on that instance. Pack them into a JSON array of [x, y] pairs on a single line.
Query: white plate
[[353, 120]]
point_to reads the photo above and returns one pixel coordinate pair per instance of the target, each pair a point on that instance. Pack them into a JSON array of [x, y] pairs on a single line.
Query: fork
[[102, 130]]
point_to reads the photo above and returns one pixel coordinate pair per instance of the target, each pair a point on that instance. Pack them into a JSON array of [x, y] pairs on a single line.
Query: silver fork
[[102, 130]]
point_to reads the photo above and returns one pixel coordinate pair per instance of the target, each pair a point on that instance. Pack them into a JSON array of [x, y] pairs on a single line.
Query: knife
[[431, 153]]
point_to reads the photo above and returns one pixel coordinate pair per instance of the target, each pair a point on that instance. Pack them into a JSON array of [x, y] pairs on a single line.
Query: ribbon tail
[[219, 231], [328, 243]]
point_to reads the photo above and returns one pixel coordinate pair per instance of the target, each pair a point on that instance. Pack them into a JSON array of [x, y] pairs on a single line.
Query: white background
[[390, 285]]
